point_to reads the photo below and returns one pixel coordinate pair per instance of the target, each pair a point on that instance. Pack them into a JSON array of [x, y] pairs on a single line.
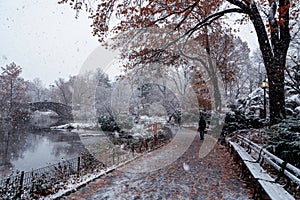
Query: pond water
[[25, 148]]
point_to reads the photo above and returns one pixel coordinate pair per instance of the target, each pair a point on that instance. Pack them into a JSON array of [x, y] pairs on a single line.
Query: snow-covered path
[[164, 174], [163, 156]]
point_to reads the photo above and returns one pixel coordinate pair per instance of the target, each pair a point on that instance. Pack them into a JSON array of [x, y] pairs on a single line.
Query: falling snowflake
[[186, 167]]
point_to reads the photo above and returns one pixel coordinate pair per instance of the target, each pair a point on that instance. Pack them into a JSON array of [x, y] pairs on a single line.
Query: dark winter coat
[[202, 124]]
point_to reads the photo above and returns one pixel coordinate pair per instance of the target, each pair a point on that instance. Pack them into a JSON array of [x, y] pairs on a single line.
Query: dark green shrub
[[108, 123], [284, 141]]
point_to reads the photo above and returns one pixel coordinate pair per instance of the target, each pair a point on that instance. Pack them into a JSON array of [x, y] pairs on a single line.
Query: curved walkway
[[190, 176]]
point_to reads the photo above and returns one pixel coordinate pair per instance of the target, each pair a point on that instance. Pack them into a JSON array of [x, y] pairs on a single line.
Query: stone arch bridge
[[63, 111]]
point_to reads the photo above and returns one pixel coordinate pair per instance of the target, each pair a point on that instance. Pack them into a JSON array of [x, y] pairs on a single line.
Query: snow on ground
[[45, 113], [165, 155], [87, 125], [190, 125], [144, 120], [213, 177], [73, 184]]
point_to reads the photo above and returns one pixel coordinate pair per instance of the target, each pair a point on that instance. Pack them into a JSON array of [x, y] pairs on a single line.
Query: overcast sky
[[46, 40]]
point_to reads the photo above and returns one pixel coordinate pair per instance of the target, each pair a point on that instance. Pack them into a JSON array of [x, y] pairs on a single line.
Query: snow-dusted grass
[[74, 184]]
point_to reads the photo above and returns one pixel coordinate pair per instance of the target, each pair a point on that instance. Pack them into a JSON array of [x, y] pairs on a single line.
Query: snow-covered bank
[[87, 125], [76, 183]]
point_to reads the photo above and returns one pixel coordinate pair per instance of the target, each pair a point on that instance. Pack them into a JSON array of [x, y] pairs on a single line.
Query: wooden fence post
[[7, 183], [78, 164], [20, 184], [113, 156], [132, 149]]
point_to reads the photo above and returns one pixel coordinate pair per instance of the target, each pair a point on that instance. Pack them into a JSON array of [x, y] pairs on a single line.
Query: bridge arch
[[64, 111]]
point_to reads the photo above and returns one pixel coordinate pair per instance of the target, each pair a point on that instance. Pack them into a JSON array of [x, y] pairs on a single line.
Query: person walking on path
[[201, 127]]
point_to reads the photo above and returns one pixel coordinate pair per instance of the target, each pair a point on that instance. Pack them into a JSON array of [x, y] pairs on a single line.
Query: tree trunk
[[276, 93], [213, 76], [274, 60]]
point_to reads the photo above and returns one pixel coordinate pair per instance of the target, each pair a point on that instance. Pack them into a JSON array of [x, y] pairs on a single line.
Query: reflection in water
[[43, 119], [25, 149]]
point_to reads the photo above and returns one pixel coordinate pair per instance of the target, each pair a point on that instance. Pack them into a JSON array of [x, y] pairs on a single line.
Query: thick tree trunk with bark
[[274, 56], [276, 93]]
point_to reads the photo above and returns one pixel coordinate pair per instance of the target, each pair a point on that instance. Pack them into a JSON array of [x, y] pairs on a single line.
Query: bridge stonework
[[63, 111]]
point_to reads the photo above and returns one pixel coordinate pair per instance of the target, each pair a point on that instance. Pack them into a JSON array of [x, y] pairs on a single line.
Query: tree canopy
[[12, 90], [271, 19]]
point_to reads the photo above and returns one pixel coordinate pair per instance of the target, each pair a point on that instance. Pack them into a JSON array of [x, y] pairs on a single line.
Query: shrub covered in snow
[[236, 120], [252, 105], [139, 132], [124, 122], [293, 106]]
